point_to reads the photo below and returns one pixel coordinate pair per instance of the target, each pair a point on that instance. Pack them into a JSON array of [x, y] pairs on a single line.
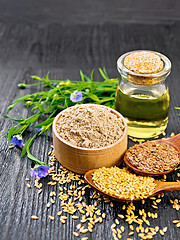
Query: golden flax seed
[[121, 216], [34, 217], [122, 183], [161, 232], [116, 221], [78, 226], [76, 234], [175, 221], [178, 224], [51, 217]]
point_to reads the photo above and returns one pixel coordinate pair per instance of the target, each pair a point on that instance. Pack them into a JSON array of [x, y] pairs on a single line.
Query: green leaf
[[47, 76], [36, 95], [104, 70], [27, 144], [26, 97], [36, 77], [92, 75], [45, 123], [34, 159], [51, 92], [93, 97], [50, 109], [103, 74], [33, 118], [14, 119], [21, 129], [10, 133], [106, 99], [178, 108], [82, 76]]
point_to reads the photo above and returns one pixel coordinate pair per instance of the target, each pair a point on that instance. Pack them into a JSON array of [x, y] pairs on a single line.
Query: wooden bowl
[[81, 160]]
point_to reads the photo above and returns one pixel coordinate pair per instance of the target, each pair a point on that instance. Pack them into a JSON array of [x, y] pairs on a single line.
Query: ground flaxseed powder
[[153, 156], [90, 126]]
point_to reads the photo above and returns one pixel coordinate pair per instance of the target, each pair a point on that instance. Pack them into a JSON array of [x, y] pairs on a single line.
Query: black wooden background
[[61, 37]]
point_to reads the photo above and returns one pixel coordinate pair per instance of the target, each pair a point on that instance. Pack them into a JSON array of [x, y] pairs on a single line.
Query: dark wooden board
[[30, 48]]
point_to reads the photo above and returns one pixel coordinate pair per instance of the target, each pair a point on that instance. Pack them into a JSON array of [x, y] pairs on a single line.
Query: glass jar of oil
[[142, 96]]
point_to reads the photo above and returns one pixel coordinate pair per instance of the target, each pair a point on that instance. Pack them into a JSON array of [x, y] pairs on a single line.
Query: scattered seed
[[40, 190], [78, 226], [113, 225], [28, 185], [75, 217], [178, 224], [116, 221], [48, 205], [161, 232], [154, 206], [51, 217], [34, 217], [175, 221], [111, 204], [122, 228], [76, 234]]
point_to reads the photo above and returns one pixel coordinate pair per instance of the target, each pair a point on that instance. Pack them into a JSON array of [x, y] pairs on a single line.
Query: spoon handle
[[175, 140], [168, 186]]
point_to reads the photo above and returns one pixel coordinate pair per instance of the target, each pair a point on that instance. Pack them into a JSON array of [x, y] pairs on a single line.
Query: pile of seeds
[[67, 199], [123, 184], [90, 126], [153, 157]]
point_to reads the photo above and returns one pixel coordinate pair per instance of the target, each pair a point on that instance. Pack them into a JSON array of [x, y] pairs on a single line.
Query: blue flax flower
[[16, 140], [76, 96], [38, 130], [40, 171]]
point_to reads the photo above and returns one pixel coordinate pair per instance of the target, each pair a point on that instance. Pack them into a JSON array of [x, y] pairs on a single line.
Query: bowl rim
[[90, 149]]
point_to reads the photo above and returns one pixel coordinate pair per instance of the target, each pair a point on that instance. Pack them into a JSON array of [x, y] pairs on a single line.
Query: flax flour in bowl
[[89, 136]]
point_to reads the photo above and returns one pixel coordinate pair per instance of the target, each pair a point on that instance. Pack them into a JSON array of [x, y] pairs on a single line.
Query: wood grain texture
[[89, 12], [30, 48]]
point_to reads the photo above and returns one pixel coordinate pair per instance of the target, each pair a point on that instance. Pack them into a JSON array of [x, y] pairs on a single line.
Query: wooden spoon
[[160, 187], [173, 142]]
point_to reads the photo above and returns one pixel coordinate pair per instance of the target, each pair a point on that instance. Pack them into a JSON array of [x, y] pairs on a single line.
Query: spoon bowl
[[160, 188], [173, 142]]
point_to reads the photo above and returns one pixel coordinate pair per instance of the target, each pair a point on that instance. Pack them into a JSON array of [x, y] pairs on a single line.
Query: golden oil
[[146, 115]]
